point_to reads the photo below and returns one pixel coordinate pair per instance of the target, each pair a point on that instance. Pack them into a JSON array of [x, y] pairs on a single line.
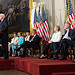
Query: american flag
[[67, 11], [46, 30], [37, 23], [71, 13], [35, 20], [39, 32], [41, 25]]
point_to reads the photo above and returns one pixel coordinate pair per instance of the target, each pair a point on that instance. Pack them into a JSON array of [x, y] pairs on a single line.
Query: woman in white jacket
[[13, 41], [52, 44]]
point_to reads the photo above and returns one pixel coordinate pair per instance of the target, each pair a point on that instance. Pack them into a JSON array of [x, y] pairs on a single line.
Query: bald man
[[4, 35]]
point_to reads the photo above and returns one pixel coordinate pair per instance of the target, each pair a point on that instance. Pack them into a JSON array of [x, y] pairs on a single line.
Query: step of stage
[[64, 73], [35, 66]]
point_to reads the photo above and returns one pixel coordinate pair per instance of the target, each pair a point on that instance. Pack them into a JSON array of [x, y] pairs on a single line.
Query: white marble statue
[[33, 11]]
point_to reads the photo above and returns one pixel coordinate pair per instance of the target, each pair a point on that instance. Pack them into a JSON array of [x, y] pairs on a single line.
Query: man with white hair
[[67, 40], [4, 35]]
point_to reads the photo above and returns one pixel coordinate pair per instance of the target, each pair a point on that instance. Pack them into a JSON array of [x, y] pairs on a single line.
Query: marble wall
[[55, 13]]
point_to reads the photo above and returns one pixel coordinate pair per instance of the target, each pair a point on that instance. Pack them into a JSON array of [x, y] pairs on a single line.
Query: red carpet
[[37, 66], [64, 73]]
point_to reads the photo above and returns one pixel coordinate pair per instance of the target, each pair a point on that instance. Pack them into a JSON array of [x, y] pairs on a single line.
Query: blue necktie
[[0, 23]]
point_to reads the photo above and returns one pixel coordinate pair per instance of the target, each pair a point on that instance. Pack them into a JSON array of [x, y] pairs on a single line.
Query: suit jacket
[[30, 38], [4, 37], [36, 42], [4, 26], [72, 35], [4, 29], [20, 41]]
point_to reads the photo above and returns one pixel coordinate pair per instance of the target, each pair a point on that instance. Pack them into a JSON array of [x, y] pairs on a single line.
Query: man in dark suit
[[33, 43], [73, 23], [68, 40], [4, 35]]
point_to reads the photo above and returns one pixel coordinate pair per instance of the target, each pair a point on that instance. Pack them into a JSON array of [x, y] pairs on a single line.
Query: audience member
[[68, 40], [73, 23], [53, 44], [33, 43], [19, 43], [28, 36], [14, 41]]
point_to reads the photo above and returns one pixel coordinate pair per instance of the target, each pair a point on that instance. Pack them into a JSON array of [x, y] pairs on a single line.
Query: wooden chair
[[72, 52], [31, 51], [38, 49]]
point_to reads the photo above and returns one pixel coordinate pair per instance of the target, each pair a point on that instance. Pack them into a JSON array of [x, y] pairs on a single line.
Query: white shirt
[[14, 40], [2, 20], [27, 38], [34, 35], [66, 35], [56, 37]]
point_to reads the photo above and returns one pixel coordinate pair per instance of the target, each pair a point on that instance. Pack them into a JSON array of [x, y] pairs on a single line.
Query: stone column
[[53, 15]]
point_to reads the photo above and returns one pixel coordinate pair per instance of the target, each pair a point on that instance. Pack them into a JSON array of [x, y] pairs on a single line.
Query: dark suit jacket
[[30, 38], [72, 35], [4, 37], [36, 42], [4, 27]]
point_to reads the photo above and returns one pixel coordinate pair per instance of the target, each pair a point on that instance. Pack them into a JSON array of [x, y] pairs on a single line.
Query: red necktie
[[32, 39], [64, 33]]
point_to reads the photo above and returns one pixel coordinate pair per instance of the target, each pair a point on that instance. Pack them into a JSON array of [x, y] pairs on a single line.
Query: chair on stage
[[72, 52], [32, 52]]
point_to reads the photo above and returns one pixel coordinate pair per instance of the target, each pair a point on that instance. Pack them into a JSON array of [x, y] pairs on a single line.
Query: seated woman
[[19, 42], [13, 41], [28, 36], [33, 43], [52, 44]]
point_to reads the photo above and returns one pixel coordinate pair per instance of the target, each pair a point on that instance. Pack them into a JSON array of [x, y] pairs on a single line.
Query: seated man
[[68, 40], [33, 43], [19, 42], [28, 37], [53, 43], [73, 23]]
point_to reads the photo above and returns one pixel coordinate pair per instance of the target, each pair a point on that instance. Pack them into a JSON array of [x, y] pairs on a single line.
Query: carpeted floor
[[12, 72]]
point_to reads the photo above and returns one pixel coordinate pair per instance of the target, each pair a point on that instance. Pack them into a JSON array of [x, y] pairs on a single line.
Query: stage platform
[[35, 66]]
